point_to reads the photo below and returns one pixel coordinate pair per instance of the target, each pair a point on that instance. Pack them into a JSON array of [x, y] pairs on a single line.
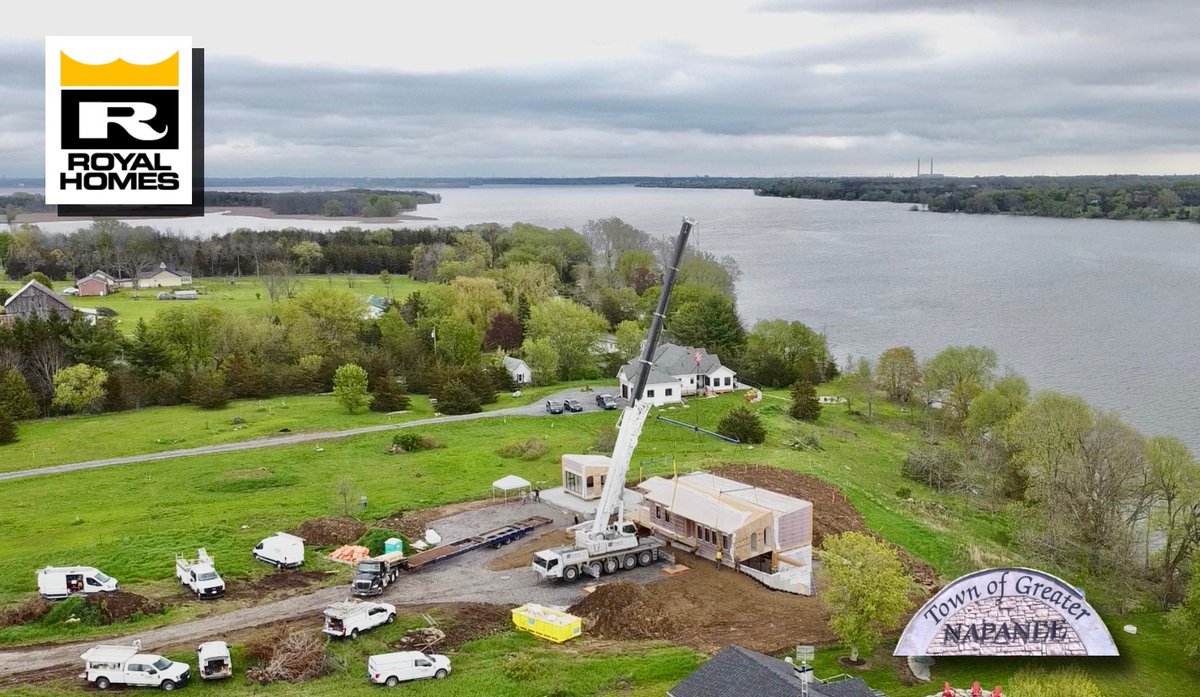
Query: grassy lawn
[[67, 439], [246, 293], [131, 520], [511, 664]]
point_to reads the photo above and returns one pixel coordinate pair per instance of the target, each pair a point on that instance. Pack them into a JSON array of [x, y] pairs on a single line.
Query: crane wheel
[[645, 558], [630, 561], [611, 565], [570, 573]]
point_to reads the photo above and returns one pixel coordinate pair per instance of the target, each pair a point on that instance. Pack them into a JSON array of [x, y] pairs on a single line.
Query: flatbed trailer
[[492, 538]]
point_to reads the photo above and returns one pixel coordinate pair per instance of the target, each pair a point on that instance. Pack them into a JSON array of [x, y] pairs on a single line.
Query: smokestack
[[803, 673], [931, 165], [918, 166]]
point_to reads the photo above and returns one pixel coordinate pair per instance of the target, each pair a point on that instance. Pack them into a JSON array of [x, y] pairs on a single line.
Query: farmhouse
[[736, 672], [763, 534], [165, 276], [679, 371], [519, 370], [97, 284], [36, 300]]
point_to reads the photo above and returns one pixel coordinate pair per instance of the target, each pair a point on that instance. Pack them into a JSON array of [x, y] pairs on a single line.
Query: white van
[[391, 669], [214, 661], [105, 666], [281, 549], [348, 618], [58, 582]]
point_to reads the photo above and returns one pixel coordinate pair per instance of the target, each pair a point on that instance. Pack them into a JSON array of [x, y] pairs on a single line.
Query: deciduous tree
[[897, 373], [778, 353], [960, 373], [79, 388], [571, 329], [867, 590], [350, 387]]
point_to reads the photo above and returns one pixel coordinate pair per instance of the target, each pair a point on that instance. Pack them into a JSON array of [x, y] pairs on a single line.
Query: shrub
[[742, 424], [934, 466], [805, 406], [8, 428], [80, 388], [521, 667], [410, 442], [529, 449], [1068, 682], [209, 390], [904, 492], [457, 398], [606, 440], [375, 538], [388, 394], [39, 277]]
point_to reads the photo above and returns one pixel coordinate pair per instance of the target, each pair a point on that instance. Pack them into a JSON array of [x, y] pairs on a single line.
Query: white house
[[679, 371], [519, 370], [165, 276]]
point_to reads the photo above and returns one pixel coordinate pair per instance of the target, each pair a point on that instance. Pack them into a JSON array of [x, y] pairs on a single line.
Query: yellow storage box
[[546, 623]]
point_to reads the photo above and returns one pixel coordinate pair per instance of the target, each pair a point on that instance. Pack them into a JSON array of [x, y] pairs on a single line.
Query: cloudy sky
[[659, 87]]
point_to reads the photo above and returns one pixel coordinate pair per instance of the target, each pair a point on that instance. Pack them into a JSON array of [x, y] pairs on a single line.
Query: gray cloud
[[1086, 86]]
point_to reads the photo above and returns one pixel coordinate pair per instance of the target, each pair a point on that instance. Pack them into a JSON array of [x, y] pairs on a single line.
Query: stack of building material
[[350, 554]]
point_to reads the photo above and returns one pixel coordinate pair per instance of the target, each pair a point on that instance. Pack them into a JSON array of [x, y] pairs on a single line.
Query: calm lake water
[[1101, 309]]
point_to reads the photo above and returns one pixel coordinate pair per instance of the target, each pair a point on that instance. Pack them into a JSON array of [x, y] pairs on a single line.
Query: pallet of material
[[675, 570]]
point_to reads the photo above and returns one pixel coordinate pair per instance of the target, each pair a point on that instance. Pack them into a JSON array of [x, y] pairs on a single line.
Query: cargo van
[[391, 669], [58, 582], [282, 550]]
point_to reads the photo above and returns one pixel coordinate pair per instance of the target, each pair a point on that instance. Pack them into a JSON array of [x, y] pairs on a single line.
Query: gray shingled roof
[[671, 360], [738, 672]]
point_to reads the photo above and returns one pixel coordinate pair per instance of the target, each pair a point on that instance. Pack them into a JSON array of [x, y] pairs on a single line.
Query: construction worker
[[718, 558]]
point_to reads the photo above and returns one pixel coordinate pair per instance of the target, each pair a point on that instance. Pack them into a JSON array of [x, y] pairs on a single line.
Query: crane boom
[[634, 417]]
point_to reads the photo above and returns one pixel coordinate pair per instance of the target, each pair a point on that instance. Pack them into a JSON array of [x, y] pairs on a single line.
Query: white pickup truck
[[199, 575], [348, 618], [105, 666]]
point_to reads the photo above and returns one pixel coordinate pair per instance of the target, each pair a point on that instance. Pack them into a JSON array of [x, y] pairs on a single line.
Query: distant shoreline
[[245, 211]]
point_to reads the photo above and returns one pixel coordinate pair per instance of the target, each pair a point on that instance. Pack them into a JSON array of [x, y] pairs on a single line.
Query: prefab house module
[[584, 475], [761, 533]]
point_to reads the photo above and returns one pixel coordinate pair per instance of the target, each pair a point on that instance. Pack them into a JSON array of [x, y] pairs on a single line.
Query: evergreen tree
[[457, 398], [8, 428], [16, 399], [388, 394], [147, 352], [742, 424], [805, 406]]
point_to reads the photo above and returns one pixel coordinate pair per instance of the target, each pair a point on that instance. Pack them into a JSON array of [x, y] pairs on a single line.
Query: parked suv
[[573, 405], [606, 401], [554, 407]]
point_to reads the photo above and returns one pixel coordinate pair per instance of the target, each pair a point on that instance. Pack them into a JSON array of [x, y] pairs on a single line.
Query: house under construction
[[761, 533]]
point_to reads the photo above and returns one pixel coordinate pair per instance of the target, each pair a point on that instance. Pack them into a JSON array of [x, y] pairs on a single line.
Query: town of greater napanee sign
[[1006, 612]]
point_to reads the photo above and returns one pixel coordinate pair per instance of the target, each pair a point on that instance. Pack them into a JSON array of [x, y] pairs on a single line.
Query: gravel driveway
[[462, 579]]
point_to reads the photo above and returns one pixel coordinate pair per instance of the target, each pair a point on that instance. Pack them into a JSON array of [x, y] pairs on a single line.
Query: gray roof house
[[519, 370], [738, 672], [36, 300], [679, 371]]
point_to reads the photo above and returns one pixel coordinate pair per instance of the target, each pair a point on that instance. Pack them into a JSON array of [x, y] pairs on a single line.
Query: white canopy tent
[[511, 483]]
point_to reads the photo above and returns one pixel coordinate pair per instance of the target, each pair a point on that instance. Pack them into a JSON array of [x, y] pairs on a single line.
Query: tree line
[[1114, 196]]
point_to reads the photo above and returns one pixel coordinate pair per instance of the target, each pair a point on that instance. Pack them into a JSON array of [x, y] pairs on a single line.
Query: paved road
[[463, 579], [535, 409]]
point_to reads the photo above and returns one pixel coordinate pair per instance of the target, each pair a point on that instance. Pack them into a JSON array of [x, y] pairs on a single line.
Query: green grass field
[[246, 293], [65, 439], [116, 519]]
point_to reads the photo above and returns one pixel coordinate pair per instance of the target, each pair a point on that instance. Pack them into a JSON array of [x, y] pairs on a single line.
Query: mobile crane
[[605, 545]]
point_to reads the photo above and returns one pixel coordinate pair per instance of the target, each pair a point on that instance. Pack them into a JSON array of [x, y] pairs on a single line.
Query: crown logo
[[118, 73]]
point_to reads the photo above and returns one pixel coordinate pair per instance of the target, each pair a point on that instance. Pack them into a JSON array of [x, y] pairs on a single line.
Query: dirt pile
[[28, 611], [457, 624], [120, 606], [625, 611], [329, 531], [412, 524], [833, 513], [288, 655]]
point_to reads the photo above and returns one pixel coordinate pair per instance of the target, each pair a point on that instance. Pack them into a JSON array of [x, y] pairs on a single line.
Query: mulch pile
[[288, 655], [28, 611], [624, 611], [833, 513], [120, 606], [330, 530]]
